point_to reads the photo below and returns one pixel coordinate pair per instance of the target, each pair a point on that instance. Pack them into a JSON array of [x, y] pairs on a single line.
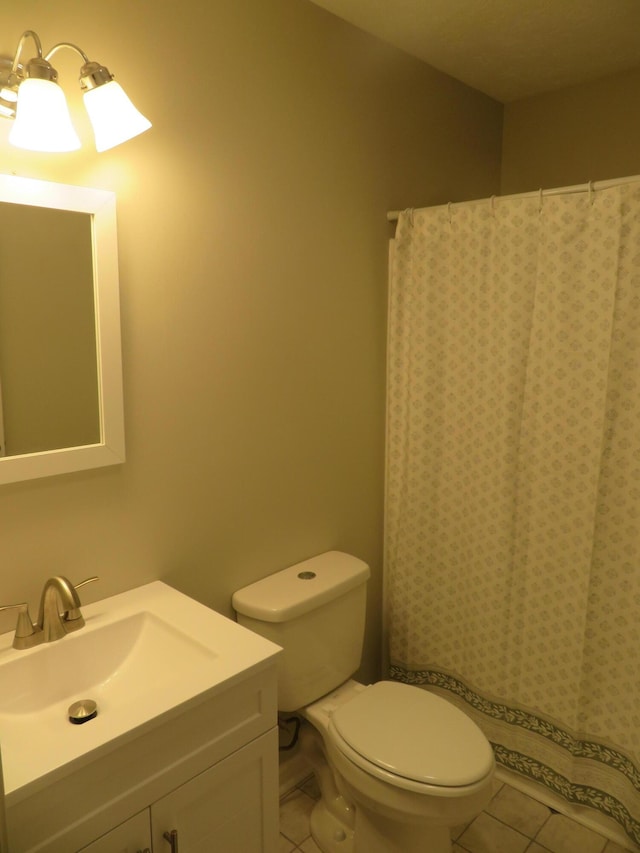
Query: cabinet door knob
[[172, 838]]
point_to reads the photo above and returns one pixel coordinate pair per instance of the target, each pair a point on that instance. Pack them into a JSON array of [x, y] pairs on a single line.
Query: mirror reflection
[[61, 406], [48, 355]]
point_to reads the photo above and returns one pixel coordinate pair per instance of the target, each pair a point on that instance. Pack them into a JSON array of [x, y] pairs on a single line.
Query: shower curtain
[[512, 524]]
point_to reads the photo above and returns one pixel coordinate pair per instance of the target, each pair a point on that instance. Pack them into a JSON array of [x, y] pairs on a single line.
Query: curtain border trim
[[583, 795]]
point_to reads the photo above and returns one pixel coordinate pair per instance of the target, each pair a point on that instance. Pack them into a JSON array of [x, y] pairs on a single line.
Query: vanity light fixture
[[31, 96]]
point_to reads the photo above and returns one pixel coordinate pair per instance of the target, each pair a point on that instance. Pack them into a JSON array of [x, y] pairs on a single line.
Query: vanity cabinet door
[[132, 836], [230, 808]]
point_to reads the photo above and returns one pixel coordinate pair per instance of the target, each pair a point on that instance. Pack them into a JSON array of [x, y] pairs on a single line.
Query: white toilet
[[397, 766]]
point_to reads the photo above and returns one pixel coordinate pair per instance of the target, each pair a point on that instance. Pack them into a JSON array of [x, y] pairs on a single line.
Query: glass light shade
[[8, 101], [113, 117], [42, 119]]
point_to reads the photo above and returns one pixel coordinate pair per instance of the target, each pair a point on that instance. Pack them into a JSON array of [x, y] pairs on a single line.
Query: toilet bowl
[[408, 764], [397, 765]]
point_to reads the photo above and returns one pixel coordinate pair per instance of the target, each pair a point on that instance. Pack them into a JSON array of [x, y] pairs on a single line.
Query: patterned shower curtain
[[512, 533]]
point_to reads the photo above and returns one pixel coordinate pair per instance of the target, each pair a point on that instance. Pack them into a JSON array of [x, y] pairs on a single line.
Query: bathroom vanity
[[184, 748]]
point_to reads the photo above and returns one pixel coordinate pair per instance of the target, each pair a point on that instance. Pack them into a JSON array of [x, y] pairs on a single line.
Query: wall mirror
[[61, 406]]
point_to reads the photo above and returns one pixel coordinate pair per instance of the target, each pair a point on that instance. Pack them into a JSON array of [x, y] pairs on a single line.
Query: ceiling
[[509, 49]]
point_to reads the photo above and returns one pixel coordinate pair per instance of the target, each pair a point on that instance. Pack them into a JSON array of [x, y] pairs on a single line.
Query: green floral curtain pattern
[[512, 533]]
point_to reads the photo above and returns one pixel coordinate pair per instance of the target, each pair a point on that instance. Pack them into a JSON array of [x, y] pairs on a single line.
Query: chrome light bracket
[[92, 75], [13, 72], [40, 69]]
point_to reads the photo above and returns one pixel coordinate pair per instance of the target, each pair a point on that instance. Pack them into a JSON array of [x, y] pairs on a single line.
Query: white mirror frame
[[101, 205]]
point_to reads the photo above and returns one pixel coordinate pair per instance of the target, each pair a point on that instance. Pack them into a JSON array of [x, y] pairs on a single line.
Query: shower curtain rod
[[392, 215]]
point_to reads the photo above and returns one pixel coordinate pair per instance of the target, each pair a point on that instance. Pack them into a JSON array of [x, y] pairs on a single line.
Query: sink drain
[[82, 711]]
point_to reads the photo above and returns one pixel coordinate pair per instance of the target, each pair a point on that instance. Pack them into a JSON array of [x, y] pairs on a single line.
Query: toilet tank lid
[[294, 591]]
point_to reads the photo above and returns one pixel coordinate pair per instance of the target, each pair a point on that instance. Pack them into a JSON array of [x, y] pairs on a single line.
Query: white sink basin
[[141, 655]]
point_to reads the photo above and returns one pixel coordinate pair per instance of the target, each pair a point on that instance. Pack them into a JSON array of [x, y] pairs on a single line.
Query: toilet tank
[[314, 610]]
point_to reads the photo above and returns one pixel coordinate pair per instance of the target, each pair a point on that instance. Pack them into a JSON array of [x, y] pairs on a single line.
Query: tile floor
[[511, 823]]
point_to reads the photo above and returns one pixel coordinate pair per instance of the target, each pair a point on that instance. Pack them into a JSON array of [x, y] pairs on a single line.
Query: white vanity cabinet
[[226, 809], [132, 836], [223, 809], [209, 771]]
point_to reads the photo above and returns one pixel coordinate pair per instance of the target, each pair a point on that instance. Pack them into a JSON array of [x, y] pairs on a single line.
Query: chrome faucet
[[58, 616], [58, 595]]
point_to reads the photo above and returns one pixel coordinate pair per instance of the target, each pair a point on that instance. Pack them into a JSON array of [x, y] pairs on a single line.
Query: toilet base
[[332, 818], [374, 834], [329, 833], [377, 834]]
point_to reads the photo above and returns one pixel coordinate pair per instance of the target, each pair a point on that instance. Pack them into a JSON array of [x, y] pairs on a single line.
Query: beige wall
[[253, 287], [583, 133]]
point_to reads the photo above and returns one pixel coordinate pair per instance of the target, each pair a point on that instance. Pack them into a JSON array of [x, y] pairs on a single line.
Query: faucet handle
[[24, 628], [86, 581]]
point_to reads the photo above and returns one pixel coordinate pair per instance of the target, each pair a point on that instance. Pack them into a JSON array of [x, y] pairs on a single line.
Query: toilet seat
[[412, 738]]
